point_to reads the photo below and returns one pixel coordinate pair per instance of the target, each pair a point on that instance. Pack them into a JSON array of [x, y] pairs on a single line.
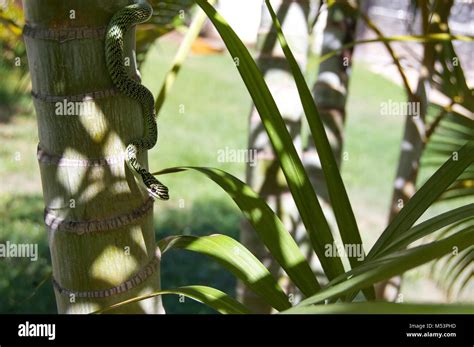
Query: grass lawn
[[206, 111]]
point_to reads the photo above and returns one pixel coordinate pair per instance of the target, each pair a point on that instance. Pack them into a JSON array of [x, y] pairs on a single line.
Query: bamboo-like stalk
[[77, 185]]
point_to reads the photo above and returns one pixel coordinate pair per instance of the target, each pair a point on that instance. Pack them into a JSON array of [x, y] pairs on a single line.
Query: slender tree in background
[[414, 135], [331, 89], [100, 223], [414, 132], [330, 92]]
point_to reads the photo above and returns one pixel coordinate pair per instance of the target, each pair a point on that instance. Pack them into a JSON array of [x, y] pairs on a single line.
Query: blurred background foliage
[[13, 63], [168, 15]]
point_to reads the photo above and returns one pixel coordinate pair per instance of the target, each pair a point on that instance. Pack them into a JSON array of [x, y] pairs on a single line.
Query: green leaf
[[459, 192], [429, 226], [450, 129], [166, 17], [211, 297], [337, 193], [296, 177], [464, 284], [454, 272], [461, 261], [267, 225], [235, 258], [383, 308], [374, 263], [425, 197], [378, 270], [456, 88]]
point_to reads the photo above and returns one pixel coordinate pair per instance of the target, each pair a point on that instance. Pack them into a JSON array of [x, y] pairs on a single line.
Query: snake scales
[[120, 23]]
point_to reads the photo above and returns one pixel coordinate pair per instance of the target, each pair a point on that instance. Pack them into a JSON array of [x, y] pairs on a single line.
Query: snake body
[[120, 23]]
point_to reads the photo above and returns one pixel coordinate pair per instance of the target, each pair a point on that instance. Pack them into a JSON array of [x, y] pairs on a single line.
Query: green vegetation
[[192, 138], [207, 111]]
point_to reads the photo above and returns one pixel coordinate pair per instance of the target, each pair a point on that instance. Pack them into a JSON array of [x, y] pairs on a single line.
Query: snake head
[[158, 191]]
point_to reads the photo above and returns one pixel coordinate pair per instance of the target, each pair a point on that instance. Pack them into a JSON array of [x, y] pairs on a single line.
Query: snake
[[121, 22]]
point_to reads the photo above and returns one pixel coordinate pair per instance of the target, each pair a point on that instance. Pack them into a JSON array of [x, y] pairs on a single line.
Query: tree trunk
[[331, 90], [100, 224], [413, 142], [330, 93]]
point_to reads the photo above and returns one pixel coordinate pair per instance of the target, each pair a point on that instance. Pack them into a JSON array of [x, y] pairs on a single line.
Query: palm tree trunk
[[100, 224], [330, 93], [413, 142]]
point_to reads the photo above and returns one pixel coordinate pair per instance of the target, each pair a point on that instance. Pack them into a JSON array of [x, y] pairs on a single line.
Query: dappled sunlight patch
[[117, 267]]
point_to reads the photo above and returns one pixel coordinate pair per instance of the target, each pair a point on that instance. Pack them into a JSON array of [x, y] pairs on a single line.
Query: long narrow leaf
[[465, 257], [337, 193], [429, 226], [374, 263], [183, 51], [267, 225], [425, 196], [235, 258], [298, 182], [383, 308], [464, 284], [211, 297], [466, 266], [397, 264]]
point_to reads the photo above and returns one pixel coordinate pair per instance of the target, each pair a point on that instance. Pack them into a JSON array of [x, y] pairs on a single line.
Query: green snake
[[120, 23]]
